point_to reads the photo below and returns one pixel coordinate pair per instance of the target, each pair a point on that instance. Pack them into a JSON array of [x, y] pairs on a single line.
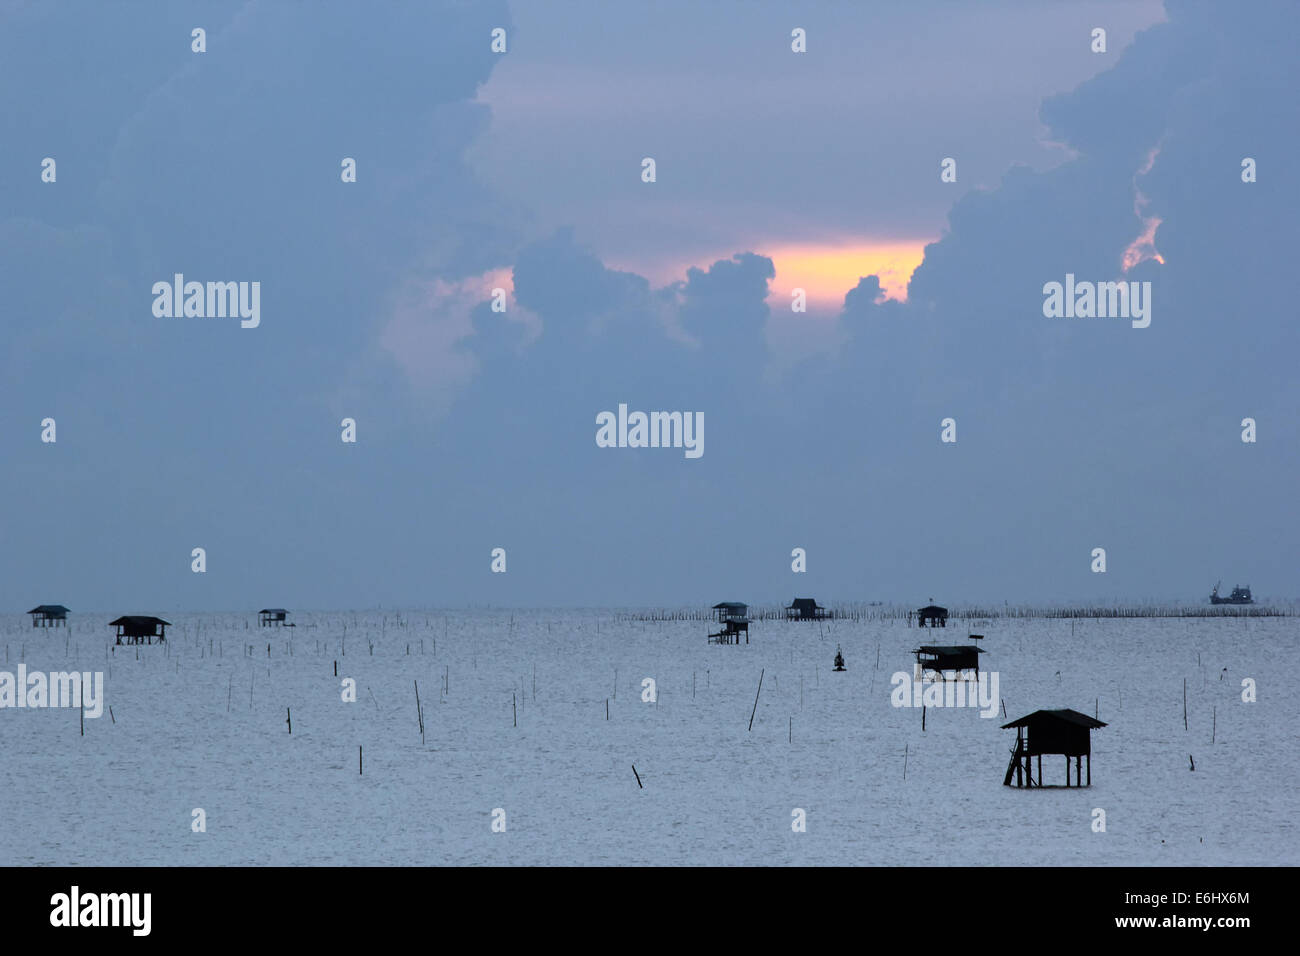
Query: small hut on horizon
[[932, 616], [1063, 731], [49, 615], [272, 616], [140, 628], [734, 618], [805, 609]]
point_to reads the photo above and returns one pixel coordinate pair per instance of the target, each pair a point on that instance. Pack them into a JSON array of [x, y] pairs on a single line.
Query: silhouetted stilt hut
[[805, 609], [140, 629], [734, 618], [943, 658], [1066, 732], [272, 616], [932, 616], [49, 615]]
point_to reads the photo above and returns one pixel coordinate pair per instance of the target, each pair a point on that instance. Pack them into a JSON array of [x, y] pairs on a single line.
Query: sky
[[523, 171]]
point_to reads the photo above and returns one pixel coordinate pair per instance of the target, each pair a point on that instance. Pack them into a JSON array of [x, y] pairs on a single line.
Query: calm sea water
[[201, 723]]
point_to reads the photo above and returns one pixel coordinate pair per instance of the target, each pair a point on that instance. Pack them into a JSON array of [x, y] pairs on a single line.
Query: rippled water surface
[[201, 723]]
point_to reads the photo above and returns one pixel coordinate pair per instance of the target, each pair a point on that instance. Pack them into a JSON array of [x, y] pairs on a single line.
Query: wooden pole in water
[[288, 718], [359, 770], [419, 711], [1184, 703], [756, 693], [638, 777], [514, 707], [923, 717], [1214, 728]]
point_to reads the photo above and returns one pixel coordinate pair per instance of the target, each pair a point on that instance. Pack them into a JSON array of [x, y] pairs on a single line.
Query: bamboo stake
[[638, 777], [756, 693]]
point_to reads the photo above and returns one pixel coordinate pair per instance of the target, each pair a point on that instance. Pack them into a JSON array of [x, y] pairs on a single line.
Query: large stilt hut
[[140, 629], [734, 618], [1065, 732]]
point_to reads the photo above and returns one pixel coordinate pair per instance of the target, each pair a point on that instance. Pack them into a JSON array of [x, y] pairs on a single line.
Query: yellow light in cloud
[[827, 272]]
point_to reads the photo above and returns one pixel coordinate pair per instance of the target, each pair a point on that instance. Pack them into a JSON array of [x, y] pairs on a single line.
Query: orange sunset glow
[[828, 272]]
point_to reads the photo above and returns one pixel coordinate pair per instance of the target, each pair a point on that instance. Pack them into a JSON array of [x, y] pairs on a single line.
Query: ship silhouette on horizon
[[1239, 595]]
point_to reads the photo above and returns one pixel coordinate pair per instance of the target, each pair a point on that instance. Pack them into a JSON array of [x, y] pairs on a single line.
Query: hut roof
[[953, 650], [49, 609], [1064, 714], [804, 602], [729, 604], [273, 610], [138, 619], [932, 609]]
